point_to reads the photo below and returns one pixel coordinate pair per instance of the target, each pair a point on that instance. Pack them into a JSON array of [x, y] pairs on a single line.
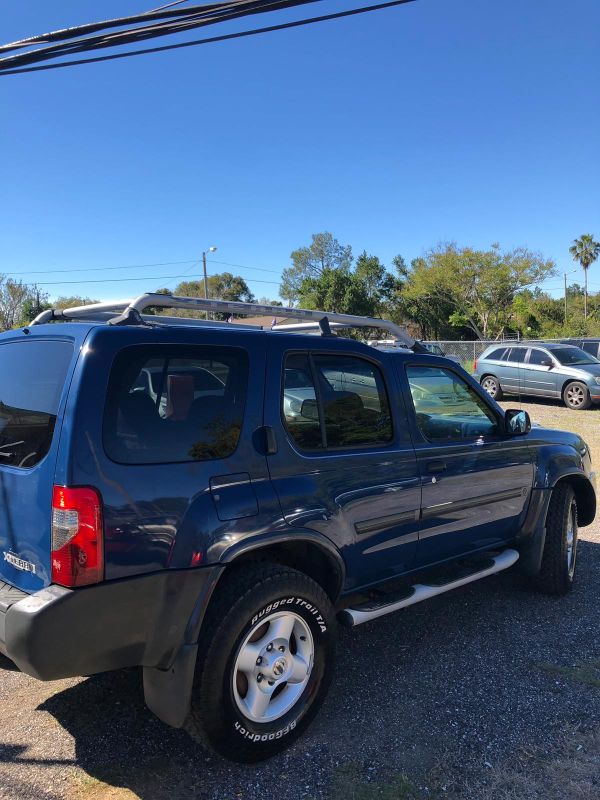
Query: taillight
[[474, 365], [77, 537]]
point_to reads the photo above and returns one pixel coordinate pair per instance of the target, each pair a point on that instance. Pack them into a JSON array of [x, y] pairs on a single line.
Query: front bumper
[[144, 620]]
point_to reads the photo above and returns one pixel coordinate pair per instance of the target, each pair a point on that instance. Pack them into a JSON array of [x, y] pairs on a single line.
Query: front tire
[[492, 387], [265, 662], [576, 395], [557, 572]]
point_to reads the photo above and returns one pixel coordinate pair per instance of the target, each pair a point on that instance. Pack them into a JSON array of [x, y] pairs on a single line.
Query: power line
[[7, 69], [98, 269]]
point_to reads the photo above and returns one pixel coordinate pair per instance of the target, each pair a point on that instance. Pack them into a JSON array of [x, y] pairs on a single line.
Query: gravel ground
[[444, 692]]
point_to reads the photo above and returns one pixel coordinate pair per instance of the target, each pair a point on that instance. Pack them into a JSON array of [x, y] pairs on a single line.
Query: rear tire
[[557, 572], [492, 387], [265, 662], [576, 395]]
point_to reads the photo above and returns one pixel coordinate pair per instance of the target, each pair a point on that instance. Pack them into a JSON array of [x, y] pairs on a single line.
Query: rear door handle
[[436, 466]]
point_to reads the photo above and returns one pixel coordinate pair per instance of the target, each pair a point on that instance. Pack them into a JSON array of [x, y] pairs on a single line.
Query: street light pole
[[565, 277], [210, 250]]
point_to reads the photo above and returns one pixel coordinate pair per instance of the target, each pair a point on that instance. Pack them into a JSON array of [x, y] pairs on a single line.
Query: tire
[[576, 395], [266, 622], [557, 572], [492, 387]]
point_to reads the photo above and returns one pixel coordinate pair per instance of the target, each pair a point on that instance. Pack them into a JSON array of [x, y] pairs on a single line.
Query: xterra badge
[[19, 563]]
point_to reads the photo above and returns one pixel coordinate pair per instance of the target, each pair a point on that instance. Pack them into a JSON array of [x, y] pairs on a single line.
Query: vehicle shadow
[[490, 638]]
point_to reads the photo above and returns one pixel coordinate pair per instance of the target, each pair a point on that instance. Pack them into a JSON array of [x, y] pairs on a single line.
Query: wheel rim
[[575, 396], [571, 541], [490, 386], [272, 667]]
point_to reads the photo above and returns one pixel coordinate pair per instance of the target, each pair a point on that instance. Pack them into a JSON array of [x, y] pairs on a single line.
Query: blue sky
[[465, 120]]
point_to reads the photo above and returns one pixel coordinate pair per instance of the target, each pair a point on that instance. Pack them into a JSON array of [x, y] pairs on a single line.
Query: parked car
[[591, 346], [216, 540], [540, 370], [436, 350]]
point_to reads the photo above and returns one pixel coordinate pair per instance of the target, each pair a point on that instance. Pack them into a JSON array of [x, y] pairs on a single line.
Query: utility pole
[[565, 277], [210, 250]]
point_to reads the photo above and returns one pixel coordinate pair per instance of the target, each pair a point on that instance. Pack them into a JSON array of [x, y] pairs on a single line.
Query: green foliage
[[19, 303], [223, 286], [479, 286], [585, 250], [323, 254], [368, 290]]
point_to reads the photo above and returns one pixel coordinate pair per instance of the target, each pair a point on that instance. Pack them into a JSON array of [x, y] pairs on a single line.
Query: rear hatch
[[34, 375]]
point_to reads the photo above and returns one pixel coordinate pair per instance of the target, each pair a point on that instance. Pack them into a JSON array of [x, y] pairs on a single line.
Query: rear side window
[[170, 404], [33, 378], [517, 354], [498, 355], [338, 401]]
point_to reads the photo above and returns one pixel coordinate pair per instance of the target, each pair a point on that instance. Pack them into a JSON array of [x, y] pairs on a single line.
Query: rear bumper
[[61, 633]]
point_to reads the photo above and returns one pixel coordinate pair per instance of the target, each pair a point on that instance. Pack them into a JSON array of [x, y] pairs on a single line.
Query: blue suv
[[207, 500]]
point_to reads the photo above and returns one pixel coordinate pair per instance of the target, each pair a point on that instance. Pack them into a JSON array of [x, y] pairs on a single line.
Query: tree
[[585, 250], [324, 253], [18, 303], [223, 286], [73, 301], [478, 285], [367, 290]]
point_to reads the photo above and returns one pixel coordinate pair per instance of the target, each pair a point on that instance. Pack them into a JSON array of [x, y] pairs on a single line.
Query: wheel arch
[[308, 553], [585, 497]]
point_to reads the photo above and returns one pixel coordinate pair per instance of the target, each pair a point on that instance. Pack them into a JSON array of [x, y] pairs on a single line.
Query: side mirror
[[517, 422], [546, 362], [309, 409]]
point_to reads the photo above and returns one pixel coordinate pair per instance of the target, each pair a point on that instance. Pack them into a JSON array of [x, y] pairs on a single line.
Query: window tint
[[517, 354], [447, 409], [591, 347], [355, 404], [299, 403], [168, 404], [537, 356], [33, 377], [498, 355], [573, 355]]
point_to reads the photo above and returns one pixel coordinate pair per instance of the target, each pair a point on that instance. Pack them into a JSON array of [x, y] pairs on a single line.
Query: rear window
[[171, 404], [33, 377]]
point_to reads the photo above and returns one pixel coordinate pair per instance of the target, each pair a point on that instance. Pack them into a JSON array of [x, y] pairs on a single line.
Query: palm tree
[[585, 250]]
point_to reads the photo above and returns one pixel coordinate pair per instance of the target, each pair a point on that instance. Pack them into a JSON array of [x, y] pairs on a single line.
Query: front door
[[345, 466], [540, 378], [475, 480]]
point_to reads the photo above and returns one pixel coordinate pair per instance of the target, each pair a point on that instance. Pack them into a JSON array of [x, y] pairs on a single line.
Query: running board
[[423, 591]]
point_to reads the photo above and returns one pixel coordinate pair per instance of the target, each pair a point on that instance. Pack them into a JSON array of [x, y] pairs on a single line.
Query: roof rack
[[131, 314]]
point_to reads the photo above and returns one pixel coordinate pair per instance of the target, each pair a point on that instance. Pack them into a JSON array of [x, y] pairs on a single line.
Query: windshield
[[573, 356], [435, 349]]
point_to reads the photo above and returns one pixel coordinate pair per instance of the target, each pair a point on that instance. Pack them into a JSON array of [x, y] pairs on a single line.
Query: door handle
[[437, 466]]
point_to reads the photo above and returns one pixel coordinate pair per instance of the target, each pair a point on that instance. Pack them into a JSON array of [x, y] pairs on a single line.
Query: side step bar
[[423, 591]]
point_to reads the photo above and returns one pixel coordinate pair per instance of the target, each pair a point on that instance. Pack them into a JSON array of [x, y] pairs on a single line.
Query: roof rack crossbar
[[128, 309]]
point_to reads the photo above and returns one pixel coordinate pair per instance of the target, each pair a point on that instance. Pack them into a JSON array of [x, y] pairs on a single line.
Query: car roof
[[526, 345]]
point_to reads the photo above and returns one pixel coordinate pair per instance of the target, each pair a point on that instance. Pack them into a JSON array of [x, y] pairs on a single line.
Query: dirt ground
[[491, 691]]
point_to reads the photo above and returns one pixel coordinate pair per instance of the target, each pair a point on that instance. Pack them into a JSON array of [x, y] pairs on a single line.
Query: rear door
[[345, 466], [475, 481], [35, 376], [513, 371]]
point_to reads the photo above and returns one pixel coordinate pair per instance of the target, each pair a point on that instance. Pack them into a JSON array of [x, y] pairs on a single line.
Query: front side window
[[33, 378], [336, 401], [169, 404], [447, 408], [538, 357]]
